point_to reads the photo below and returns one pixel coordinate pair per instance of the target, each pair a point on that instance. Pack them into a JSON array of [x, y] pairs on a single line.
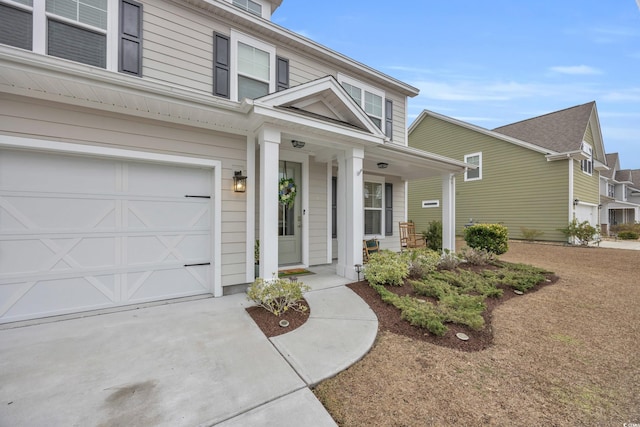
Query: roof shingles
[[560, 131]]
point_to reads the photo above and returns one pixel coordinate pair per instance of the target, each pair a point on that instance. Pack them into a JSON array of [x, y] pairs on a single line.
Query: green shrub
[[463, 309], [277, 295], [386, 268], [433, 235], [530, 233], [628, 235], [421, 262], [469, 282], [477, 256], [493, 238], [431, 287], [582, 232]]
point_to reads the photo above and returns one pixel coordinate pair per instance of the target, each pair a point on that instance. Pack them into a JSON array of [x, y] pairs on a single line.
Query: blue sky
[[494, 62]]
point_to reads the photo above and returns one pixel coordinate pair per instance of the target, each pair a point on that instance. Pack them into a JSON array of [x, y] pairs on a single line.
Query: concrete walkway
[[621, 244], [194, 363]]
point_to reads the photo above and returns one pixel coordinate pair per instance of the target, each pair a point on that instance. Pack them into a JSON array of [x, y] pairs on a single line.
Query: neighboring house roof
[[623, 176], [560, 131], [612, 161]]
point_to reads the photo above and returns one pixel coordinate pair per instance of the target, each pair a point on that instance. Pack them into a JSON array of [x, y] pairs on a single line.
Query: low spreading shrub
[[493, 238], [277, 295], [386, 268], [517, 276], [628, 235]]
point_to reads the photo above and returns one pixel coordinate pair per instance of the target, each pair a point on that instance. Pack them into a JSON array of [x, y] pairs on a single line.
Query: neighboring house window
[[249, 6], [76, 30], [369, 98], [611, 190], [587, 165], [374, 203], [473, 174]]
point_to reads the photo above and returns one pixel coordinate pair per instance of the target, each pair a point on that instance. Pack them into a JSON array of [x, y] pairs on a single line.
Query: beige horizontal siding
[[519, 187]]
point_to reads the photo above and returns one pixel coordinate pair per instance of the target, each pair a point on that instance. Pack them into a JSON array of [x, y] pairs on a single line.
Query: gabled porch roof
[[323, 114]]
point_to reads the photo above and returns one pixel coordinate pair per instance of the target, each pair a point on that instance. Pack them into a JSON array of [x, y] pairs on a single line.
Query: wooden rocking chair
[[408, 237], [369, 247]]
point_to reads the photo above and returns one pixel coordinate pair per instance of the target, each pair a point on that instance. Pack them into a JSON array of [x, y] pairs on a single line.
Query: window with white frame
[[83, 31], [249, 6], [473, 174], [611, 190], [374, 204], [369, 98], [587, 165], [255, 67]]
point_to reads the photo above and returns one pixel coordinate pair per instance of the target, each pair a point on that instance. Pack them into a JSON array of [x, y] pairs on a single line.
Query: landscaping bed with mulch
[[389, 316], [269, 323]]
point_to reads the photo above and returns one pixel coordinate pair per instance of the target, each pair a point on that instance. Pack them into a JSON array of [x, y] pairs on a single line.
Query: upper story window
[[476, 160], [369, 98], [254, 71], [587, 165], [102, 33], [249, 6], [611, 190]]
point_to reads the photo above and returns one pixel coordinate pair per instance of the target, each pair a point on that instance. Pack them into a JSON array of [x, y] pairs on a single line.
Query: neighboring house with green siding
[[537, 174]]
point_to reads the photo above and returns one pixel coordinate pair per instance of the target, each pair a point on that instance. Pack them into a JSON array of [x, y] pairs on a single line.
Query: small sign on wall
[[431, 203]]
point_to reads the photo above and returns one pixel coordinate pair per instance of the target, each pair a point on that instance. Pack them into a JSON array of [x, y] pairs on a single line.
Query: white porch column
[[449, 212], [350, 212], [269, 140]]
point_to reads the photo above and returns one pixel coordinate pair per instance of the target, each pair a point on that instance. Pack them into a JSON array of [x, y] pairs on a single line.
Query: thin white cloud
[[576, 70], [628, 95], [479, 91]]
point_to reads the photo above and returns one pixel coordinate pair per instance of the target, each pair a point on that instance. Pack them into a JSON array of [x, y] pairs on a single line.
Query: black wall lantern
[[239, 182]]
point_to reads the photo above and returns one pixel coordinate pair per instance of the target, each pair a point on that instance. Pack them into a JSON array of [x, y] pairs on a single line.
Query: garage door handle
[[193, 265], [198, 197]]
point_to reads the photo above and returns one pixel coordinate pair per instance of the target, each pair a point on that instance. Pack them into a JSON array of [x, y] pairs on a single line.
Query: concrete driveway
[[201, 362]]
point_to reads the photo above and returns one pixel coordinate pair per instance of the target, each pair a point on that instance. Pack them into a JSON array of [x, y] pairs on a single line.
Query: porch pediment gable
[[324, 99]]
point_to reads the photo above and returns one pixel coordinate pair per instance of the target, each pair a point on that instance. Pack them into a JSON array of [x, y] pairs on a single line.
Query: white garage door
[[81, 233], [587, 213]]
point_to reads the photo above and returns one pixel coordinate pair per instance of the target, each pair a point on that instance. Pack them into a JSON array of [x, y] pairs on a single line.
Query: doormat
[[294, 272]]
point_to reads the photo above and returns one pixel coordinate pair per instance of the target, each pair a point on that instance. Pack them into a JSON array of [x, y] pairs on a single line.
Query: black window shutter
[[130, 52], [388, 209], [388, 118], [334, 207], [282, 73], [221, 69]]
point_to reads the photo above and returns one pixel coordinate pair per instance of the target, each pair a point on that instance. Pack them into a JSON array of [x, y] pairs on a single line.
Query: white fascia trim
[[449, 163], [515, 141], [576, 155], [343, 131], [91, 150], [52, 67]]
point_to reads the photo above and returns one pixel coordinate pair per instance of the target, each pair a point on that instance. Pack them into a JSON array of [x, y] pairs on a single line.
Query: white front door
[[290, 218], [80, 233]]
